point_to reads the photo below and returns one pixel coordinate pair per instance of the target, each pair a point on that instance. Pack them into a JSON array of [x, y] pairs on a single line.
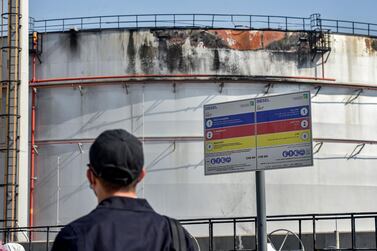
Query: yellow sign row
[[266, 140]]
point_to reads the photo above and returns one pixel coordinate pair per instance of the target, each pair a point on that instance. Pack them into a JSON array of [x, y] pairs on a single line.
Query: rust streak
[[248, 40], [240, 40], [272, 36]]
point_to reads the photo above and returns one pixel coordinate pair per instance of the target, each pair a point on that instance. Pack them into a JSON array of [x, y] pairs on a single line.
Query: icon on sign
[[304, 123], [305, 136], [304, 111], [209, 146], [209, 135], [209, 123]]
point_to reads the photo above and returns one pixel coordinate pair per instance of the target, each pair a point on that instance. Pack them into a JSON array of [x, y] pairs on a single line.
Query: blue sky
[[361, 10]]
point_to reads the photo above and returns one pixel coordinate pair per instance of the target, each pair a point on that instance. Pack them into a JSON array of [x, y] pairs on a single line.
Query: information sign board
[[284, 135], [258, 134], [229, 132]]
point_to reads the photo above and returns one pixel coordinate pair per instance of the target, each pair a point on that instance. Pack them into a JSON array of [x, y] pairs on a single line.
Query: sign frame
[[310, 161]]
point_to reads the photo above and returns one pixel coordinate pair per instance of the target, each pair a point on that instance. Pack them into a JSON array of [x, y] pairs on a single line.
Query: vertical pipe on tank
[[32, 133], [32, 159], [143, 108], [23, 177]]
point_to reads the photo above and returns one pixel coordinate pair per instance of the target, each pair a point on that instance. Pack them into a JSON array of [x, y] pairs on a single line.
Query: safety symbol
[[304, 123], [209, 146], [209, 135], [304, 111], [209, 123], [305, 136]]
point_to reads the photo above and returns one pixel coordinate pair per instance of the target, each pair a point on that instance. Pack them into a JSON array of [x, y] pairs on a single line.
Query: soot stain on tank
[[147, 55], [171, 48], [374, 44], [73, 40], [207, 40], [371, 45], [216, 60], [174, 58], [131, 52], [288, 43], [293, 47]]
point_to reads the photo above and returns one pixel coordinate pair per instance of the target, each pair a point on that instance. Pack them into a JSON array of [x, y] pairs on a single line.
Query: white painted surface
[[23, 177], [175, 183]]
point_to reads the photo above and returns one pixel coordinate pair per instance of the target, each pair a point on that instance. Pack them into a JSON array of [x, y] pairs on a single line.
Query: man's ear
[[90, 177], [141, 175]]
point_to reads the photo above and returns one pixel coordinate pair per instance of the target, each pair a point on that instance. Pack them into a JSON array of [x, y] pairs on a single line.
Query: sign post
[[261, 211], [258, 134]]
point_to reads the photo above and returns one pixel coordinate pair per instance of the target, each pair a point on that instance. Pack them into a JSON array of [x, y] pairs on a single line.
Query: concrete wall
[[175, 184]]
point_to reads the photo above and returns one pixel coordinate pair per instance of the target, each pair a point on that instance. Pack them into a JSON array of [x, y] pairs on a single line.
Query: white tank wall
[[175, 184]]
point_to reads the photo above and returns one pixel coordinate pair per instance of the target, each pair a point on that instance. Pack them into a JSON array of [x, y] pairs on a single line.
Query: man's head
[[116, 163]]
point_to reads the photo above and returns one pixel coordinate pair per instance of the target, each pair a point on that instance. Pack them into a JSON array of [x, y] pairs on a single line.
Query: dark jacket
[[118, 224]]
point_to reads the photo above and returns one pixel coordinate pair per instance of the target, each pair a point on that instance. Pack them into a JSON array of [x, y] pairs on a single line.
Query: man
[[120, 222]]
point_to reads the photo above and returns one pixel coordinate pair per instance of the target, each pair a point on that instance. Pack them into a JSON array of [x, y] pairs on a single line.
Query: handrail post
[[375, 230], [353, 27], [353, 232], [368, 29], [299, 233], [47, 238], [286, 23], [303, 27], [213, 20], [118, 21], [155, 20], [81, 27], [210, 239], [173, 20], [256, 231], [234, 234], [314, 233], [30, 235], [268, 22], [250, 21], [193, 20], [137, 21], [63, 25], [100, 23], [337, 25]]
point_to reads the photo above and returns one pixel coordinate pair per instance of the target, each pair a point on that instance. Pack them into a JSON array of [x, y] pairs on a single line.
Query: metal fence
[[204, 21], [46, 234]]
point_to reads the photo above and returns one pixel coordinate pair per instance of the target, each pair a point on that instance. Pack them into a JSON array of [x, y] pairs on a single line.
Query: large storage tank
[[154, 83]]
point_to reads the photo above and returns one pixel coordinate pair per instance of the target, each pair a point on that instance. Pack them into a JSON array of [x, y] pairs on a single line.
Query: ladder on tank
[[319, 39], [9, 113]]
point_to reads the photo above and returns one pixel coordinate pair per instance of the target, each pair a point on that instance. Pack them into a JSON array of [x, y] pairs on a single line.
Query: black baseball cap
[[117, 157]]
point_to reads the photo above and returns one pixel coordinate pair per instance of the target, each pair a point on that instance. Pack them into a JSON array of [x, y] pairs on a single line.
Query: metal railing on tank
[[203, 21], [307, 227], [350, 27], [212, 21]]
